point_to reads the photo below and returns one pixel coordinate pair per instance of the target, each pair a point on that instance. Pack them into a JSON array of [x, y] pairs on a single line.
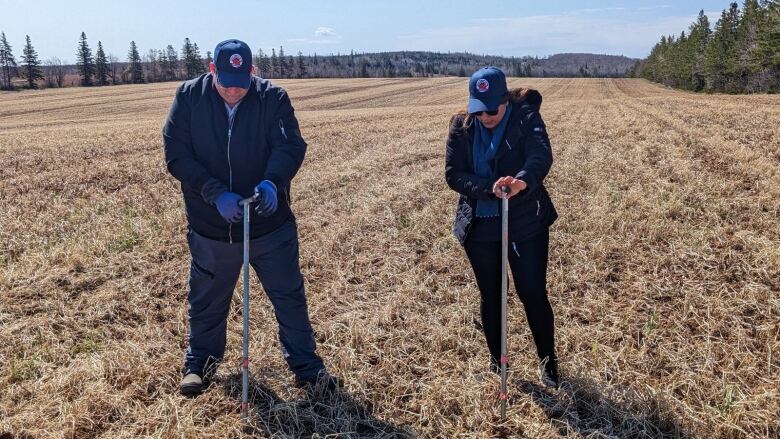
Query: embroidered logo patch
[[236, 61], [483, 85]]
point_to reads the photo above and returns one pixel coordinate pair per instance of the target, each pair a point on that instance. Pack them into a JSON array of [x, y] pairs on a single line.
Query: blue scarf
[[485, 147]]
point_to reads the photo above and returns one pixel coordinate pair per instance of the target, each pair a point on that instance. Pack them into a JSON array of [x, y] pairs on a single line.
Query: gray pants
[[214, 271]]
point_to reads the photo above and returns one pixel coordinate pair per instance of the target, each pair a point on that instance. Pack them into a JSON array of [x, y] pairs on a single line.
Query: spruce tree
[[274, 64], [302, 72], [197, 61], [31, 66], [720, 56], [101, 66], [700, 39], [263, 64], [7, 63], [187, 55], [284, 68], [85, 63], [770, 44], [134, 60], [748, 63]]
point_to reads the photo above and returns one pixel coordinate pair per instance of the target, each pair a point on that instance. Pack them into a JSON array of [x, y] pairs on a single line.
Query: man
[[230, 134]]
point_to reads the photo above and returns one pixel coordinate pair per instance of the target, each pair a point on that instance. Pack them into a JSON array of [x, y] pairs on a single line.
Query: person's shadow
[[580, 407], [317, 414]]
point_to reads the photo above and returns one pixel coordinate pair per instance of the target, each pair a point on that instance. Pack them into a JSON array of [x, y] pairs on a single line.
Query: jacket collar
[[219, 112]]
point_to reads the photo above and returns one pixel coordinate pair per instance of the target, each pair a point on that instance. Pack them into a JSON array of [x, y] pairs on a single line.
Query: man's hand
[[515, 186], [227, 205], [267, 202]]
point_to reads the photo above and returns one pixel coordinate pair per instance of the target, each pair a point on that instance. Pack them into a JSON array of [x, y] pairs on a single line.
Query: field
[[664, 270]]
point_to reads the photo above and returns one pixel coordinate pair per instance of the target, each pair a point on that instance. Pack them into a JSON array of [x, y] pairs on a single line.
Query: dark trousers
[[214, 271], [528, 262]]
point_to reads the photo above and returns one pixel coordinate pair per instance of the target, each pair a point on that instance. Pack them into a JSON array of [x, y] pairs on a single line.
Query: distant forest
[[170, 64], [741, 54]]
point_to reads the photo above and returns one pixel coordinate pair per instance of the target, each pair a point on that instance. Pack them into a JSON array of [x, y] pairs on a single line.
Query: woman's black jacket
[[524, 153]]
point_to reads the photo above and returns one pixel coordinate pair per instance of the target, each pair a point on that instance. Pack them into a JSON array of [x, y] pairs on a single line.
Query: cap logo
[[483, 85], [236, 61]]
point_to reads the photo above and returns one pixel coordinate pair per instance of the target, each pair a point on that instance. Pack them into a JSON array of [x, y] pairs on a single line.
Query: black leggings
[[528, 262]]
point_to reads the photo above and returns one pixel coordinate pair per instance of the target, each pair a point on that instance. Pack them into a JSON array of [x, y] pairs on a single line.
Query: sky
[[507, 28]]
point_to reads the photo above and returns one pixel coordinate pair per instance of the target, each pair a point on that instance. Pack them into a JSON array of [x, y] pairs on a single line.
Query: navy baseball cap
[[233, 59], [487, 88]]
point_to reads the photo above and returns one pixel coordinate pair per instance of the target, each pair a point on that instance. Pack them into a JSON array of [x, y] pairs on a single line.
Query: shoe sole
[[191, 389]]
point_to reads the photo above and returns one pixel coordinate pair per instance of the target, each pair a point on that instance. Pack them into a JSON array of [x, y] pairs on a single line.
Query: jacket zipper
[[514, 246], [230, 172], [538, 207], [281, 128]]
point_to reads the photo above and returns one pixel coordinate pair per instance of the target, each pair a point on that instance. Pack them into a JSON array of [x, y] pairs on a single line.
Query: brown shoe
[[191, 385]]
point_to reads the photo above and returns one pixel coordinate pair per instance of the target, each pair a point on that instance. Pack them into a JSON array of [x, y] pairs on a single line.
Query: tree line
[[170, 64], [741, 54], [100, 68]]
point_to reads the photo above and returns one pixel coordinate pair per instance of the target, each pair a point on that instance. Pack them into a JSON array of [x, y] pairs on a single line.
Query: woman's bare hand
[[515, 186]]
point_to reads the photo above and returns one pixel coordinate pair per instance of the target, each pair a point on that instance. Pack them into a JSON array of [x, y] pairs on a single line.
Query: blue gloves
[[267, 202], [227, 205]]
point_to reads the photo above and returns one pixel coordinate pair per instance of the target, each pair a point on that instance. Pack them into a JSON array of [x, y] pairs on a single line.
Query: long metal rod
[[504, 285], [245, 356]]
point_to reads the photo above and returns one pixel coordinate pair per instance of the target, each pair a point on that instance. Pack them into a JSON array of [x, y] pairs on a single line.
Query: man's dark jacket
[[209, 157], [524, 153]]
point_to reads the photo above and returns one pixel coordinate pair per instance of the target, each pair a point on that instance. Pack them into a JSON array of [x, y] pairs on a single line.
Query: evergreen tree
[[85, 63], [193, 64], [7, 63], [134, 60], [197, 61], [263, 64], [31, 66], [720, 57], [101, 66], [209, 60], [284, 67], [748, 64], [302, 71], [699, 40], [274, 64], [769, 46]]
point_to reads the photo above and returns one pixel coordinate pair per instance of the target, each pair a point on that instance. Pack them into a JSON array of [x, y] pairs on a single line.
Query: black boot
[[548, 372]]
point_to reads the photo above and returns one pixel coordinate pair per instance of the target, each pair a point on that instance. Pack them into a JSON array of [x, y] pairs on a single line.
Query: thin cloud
[[324, 31], [322, 35]]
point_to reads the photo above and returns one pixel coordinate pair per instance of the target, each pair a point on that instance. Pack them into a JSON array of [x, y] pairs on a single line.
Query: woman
[[500, 141]]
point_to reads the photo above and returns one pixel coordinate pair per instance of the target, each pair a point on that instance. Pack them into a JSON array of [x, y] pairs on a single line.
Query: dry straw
[[664, 270]]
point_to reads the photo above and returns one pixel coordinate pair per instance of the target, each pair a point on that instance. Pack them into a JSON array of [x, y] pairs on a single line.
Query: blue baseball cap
[[487, 88], [233, 60]]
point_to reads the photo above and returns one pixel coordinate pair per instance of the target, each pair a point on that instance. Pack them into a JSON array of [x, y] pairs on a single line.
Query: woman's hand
[[515, 186]]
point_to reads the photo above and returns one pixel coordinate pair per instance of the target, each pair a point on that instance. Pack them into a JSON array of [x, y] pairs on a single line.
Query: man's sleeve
[[287, 145], [538, 153], [179, 157]]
